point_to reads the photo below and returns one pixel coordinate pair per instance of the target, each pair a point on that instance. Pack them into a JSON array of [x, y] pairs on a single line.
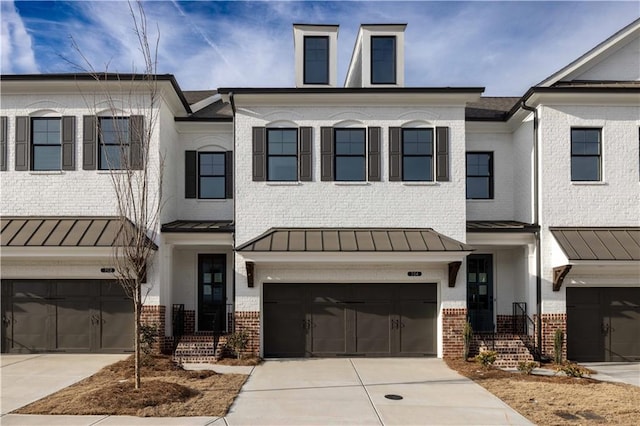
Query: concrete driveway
[[621, 372], [27, 378], [352, 391]]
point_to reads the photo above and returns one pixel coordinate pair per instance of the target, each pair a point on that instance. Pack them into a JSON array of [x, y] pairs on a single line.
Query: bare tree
[[127, 149]]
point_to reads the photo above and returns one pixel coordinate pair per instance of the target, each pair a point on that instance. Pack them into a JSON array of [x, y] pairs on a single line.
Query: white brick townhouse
[[370, 219]]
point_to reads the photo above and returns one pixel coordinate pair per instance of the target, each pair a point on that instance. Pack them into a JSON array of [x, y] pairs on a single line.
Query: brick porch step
[[199, 348], [510, 348]]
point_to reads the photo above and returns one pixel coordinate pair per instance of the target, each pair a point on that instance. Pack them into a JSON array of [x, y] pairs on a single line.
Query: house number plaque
[[414, 273]]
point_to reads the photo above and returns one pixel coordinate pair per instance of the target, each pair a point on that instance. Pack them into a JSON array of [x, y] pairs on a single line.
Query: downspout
[[233, 235], [536, 219]]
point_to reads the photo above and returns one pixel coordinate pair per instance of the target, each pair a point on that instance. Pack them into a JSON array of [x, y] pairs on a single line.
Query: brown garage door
[[603, 324], [65, 316], [349, 319]]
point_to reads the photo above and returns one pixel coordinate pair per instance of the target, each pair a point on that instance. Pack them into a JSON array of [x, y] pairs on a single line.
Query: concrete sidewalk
[[312, 392]]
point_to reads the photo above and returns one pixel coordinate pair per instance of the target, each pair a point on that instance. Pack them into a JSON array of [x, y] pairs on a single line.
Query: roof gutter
[[536, 147]]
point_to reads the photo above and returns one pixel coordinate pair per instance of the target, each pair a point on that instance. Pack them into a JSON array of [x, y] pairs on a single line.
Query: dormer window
[[383, 60], [316, 60]]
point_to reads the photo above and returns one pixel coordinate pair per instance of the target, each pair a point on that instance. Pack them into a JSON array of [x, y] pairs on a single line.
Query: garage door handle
[[605, 329]]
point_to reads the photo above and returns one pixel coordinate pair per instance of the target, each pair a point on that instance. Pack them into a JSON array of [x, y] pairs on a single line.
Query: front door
[[211, 292], [480, 292]]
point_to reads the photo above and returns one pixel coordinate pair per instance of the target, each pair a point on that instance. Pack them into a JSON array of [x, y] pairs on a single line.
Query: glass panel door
[[480, 292], [211, 292]]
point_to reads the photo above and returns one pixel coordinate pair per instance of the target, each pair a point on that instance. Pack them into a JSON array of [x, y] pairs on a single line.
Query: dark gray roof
[[198, 226], [62, 231], [353, 240], [194, 96], [500, 226], [598, 83], [217, 109], [599, 243], [490, 108]]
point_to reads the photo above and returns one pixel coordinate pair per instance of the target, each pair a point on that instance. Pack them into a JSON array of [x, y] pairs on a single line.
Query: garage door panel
[[283, 292], [417, 292], [73, 325], [369, 292], [116, 325], [328, 293], [30, 326], [625, 334], [373, 328], [328, 329], [417, 327], [284, 330], [31, 289]]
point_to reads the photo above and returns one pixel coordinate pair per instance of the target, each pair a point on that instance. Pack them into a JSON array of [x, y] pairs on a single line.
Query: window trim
[[394, 62], [304, 59], [223, 176], [491, 176], [268, 155], [431, 156], [100, 143], [336, 155], [32, 144], [598, 156]]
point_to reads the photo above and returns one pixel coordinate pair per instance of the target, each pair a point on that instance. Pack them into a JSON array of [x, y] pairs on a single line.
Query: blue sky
[[504, 46]]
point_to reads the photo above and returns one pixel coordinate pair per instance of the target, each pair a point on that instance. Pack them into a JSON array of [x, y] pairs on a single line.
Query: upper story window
[[479, 175], [350, 155], [211, 175], [282, 154], [383, 60], [417, 154], [46, 144], [316, 60], [585, 154], [208, 175], [113, 142]]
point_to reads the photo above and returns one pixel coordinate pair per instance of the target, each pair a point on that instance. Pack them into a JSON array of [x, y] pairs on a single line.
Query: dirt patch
[[558, 400], [167, 391]]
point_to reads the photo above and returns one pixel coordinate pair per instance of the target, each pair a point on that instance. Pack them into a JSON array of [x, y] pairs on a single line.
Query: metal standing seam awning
[[360, 245], [595, 245], [82, 236]]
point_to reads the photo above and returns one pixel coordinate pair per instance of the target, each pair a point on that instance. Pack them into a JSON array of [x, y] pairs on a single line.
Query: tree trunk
[[136, 348]]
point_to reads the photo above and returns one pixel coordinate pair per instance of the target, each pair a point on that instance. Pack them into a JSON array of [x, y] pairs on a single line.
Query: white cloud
[[17, 54]]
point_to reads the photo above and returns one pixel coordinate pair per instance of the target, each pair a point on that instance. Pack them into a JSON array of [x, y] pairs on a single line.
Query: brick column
[[155, 315], [249, 321], [453, 320], [551, 323]]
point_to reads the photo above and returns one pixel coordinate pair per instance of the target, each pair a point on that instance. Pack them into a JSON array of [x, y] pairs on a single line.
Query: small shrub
[[527, 367], [487, 358], [467, 336], [148, 337], [572, 369], [558, 342], [237, 342]]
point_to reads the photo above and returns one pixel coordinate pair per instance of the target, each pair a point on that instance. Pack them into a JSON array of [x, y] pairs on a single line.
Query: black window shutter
[[395, 154], [190, 174], [259, 154], [374, 154], [68, 143], [89, 142], [305, 169], [22, 143], [137, 141], [3, 143], [326, 153], [442, 154], [228, 174]]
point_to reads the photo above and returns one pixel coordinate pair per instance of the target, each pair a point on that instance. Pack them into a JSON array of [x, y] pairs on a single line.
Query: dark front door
[[211, 292], [603, 324], [480, 292], [349, 319]]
